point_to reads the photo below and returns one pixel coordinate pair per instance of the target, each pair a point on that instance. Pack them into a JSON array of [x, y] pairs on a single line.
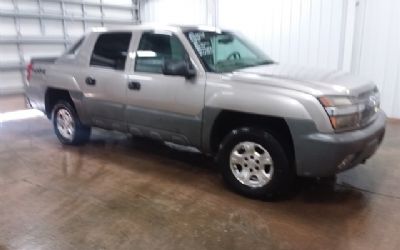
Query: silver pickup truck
[[211, 89]]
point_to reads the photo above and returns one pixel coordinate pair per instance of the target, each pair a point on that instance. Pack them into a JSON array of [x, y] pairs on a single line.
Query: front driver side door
[[161, 106]]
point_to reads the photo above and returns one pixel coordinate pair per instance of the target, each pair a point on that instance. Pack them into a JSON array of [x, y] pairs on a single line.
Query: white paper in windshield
[[202, 45]]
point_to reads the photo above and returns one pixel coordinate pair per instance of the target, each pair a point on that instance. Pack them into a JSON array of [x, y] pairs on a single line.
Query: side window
[[111, 50], [154, 49]]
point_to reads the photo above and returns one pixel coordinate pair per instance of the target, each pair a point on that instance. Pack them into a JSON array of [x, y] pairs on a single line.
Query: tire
[[67, 126], [253, 163]]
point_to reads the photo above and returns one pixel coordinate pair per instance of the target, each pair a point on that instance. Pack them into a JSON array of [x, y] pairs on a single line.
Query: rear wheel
[[253, 163], [67, 125]]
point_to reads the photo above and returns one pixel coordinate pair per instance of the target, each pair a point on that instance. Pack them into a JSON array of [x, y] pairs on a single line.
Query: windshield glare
[[225, 51]]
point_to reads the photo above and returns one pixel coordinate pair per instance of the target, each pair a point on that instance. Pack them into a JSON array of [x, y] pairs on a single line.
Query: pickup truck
[[211, 89]]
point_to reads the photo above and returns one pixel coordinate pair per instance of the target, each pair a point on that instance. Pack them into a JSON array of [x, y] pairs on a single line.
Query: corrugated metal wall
[[376, 52], [174, 11], [45, 27], [303, 32]]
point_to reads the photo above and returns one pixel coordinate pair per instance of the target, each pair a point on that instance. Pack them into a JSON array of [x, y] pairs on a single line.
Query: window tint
[[154, 49], [74, 48], [111, 50]]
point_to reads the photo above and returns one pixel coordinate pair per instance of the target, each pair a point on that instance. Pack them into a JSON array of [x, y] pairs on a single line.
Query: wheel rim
[[251, 164], [65, 124]]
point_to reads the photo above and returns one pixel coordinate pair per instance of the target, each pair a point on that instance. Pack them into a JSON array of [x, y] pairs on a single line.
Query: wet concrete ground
[[119, 193], [11, 103]]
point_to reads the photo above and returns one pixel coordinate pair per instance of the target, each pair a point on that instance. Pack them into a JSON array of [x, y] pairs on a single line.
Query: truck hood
[[308, 80]]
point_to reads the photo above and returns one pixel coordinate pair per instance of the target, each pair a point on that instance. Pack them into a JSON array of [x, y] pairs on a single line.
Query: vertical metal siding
[[174, 11], [303, 32], [377, 50]]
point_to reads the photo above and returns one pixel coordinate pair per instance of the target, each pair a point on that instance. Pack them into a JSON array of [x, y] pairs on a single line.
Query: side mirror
[[178, 68]]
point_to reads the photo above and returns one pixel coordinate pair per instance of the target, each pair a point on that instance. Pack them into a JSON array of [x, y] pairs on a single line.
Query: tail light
[[29, 69]]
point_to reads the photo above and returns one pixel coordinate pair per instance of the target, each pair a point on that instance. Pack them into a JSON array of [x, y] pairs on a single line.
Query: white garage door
[[30, 28]]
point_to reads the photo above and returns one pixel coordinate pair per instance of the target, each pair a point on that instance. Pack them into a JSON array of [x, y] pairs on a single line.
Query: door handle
[[134, 86], [90, 81]]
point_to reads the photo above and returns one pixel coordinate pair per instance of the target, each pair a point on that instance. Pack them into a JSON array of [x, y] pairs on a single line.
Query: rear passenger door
[[104, 82]]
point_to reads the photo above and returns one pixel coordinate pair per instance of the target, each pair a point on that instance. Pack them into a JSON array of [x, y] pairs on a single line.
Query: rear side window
[[154, 49], [75, 47], [111, 50]]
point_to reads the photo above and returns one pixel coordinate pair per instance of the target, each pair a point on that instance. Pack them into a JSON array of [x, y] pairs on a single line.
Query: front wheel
[[67, 126], [254, 163]]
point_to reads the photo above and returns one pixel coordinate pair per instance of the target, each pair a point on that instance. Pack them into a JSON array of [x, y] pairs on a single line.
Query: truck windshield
[[225, 51]]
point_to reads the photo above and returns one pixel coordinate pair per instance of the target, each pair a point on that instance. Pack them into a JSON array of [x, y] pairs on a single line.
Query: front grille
[[370, 101]]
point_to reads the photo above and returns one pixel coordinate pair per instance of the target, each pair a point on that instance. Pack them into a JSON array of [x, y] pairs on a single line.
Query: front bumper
[[320, 155]]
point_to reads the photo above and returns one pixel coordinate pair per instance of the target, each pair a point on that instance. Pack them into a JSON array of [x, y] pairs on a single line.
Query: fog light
[[345, 163]]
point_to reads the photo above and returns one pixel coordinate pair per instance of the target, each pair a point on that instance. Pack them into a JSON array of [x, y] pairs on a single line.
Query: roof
[[147, 26]]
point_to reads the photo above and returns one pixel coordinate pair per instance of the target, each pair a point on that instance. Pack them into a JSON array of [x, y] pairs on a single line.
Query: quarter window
[[111, 50], [75, 47], [154, 49]]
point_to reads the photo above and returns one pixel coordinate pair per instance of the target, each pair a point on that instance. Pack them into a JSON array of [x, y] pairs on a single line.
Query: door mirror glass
[[178, 67]]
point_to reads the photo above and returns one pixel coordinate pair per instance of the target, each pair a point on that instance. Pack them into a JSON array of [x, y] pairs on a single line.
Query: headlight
[[344, 112]]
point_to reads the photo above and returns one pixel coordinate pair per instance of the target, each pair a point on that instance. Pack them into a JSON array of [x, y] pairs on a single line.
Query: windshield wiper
[[265, 62]]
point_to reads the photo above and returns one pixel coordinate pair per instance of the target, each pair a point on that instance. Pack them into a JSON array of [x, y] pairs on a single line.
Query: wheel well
[[229, 120], [54, 95]]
